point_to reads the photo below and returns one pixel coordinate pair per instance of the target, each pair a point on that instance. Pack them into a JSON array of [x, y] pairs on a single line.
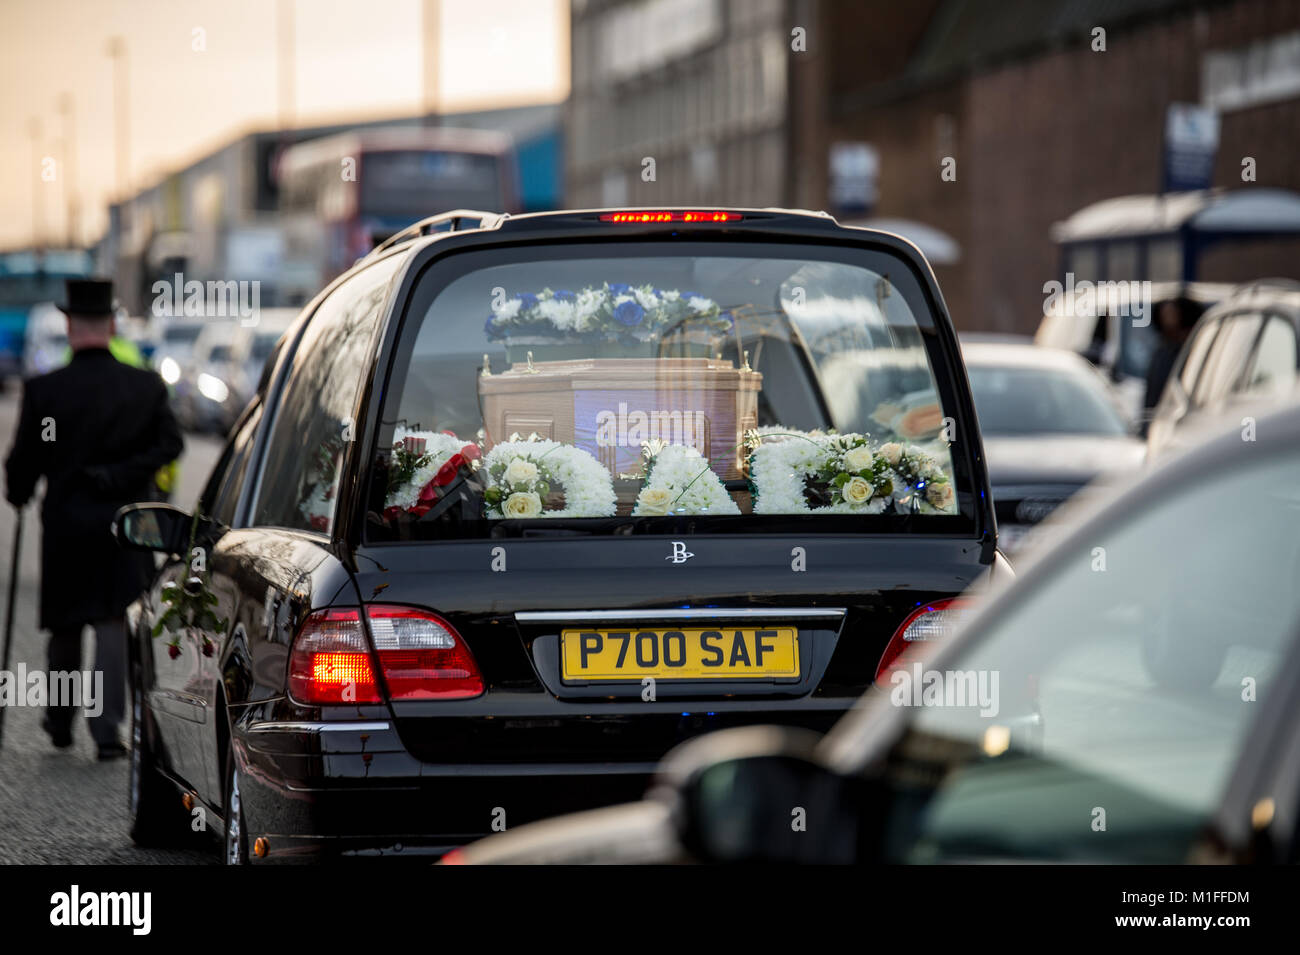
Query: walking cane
[[9, 609]]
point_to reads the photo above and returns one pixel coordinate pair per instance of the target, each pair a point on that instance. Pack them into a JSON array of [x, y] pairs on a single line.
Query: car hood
[[1059, 459]]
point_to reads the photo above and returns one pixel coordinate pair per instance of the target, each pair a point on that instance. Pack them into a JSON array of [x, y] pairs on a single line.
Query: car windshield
[[1020, 399], [1100, 716], [605, 390], [1138, 343], [401, 183], [30, 289]]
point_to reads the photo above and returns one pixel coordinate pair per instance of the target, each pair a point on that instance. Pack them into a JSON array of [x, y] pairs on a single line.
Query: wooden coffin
[[610, 406]]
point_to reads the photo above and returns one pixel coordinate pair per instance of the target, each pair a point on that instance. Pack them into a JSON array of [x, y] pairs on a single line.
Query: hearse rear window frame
[[428, 280]]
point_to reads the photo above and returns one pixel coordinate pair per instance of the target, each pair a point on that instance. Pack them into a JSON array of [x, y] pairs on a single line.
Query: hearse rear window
[[656, 393]]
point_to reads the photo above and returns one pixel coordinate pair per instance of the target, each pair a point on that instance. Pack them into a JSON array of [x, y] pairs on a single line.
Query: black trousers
[[110, 668]]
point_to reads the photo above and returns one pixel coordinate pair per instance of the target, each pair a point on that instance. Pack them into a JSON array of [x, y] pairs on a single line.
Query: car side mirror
[[163, 528], [759, 795]]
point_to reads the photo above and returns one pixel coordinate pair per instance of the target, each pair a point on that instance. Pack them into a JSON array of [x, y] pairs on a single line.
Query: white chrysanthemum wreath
[[680, 481], [418, 463], [522, 473], [843, 474]]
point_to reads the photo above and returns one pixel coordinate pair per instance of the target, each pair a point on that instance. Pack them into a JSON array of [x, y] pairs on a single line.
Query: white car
[[201, 389], [45, 344], [251, 347]]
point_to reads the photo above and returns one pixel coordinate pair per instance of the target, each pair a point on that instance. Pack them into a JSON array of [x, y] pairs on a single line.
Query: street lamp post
[[122, 125], [71, 199], [38, 184], [430, 29]]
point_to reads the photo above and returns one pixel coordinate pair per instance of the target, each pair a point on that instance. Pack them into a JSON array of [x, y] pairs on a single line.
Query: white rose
[[653, 501], [858, 459], [522, 504], [940, 495], [892, 453], [521, 471], [857, 491]]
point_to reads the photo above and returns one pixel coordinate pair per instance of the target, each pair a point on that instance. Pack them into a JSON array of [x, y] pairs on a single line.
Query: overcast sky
[[355, 59]]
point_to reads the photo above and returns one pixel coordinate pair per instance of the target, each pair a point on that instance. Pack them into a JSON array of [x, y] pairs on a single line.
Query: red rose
[[447, 473], [208, 647], [320, 523], [173, 650]]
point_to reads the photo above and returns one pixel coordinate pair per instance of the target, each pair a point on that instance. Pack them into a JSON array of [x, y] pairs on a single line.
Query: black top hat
[[88, 298]]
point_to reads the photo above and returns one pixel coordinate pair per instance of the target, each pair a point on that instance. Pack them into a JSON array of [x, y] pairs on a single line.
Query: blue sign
[[1191, 141]]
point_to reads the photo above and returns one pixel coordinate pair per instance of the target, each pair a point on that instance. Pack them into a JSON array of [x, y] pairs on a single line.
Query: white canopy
[[1242, 210]]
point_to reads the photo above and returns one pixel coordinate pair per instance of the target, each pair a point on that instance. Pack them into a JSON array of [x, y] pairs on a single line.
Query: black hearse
[[525, 501]]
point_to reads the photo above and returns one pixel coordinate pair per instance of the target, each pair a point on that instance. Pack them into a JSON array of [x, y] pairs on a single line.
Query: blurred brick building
[[697, 86], [1038, 123]]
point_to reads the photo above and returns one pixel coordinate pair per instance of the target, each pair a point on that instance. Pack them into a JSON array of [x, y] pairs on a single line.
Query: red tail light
[[932, 621], [421, 656], [330, 662], [668, 215]]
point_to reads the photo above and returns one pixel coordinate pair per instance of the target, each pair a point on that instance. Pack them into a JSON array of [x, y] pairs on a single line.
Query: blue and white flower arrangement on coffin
[[613, 311]]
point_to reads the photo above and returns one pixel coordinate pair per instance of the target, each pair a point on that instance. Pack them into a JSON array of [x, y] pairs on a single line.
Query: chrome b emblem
[[680, 554]]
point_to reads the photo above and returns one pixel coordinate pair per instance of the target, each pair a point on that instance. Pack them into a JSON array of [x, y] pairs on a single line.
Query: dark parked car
[[1241, 355], [520, 507], [1051, 423], [1129, 698]]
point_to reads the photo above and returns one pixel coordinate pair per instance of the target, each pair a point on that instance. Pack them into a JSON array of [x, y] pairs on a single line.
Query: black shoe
[[111, 751], [60, 736]]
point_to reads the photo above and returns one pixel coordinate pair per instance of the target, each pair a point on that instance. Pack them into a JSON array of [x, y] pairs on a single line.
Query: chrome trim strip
[[681, 613], [317, 727]]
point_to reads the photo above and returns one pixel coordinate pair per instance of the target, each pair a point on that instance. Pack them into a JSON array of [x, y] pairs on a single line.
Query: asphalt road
[[64, 806]]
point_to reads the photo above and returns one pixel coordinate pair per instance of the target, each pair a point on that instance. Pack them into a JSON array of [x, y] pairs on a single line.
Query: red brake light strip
[[664, 215]]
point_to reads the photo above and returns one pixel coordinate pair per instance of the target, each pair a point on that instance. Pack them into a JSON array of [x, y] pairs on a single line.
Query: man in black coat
[[96, 430], [1175, 319]]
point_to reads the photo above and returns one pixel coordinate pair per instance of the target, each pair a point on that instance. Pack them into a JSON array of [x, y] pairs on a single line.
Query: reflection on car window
[[232, 483], [1273, 368], [1127, 683], [1195, 355], [315, 419], [666, 385], [1227, 359]]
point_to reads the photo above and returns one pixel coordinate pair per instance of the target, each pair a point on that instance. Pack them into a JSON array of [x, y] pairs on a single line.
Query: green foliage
[[189, 609]]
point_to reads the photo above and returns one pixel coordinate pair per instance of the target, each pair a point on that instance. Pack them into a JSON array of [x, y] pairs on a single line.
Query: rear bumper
[[353, 790]]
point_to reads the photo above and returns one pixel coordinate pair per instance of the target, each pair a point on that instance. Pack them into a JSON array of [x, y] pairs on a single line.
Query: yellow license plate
[[724, 653]]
